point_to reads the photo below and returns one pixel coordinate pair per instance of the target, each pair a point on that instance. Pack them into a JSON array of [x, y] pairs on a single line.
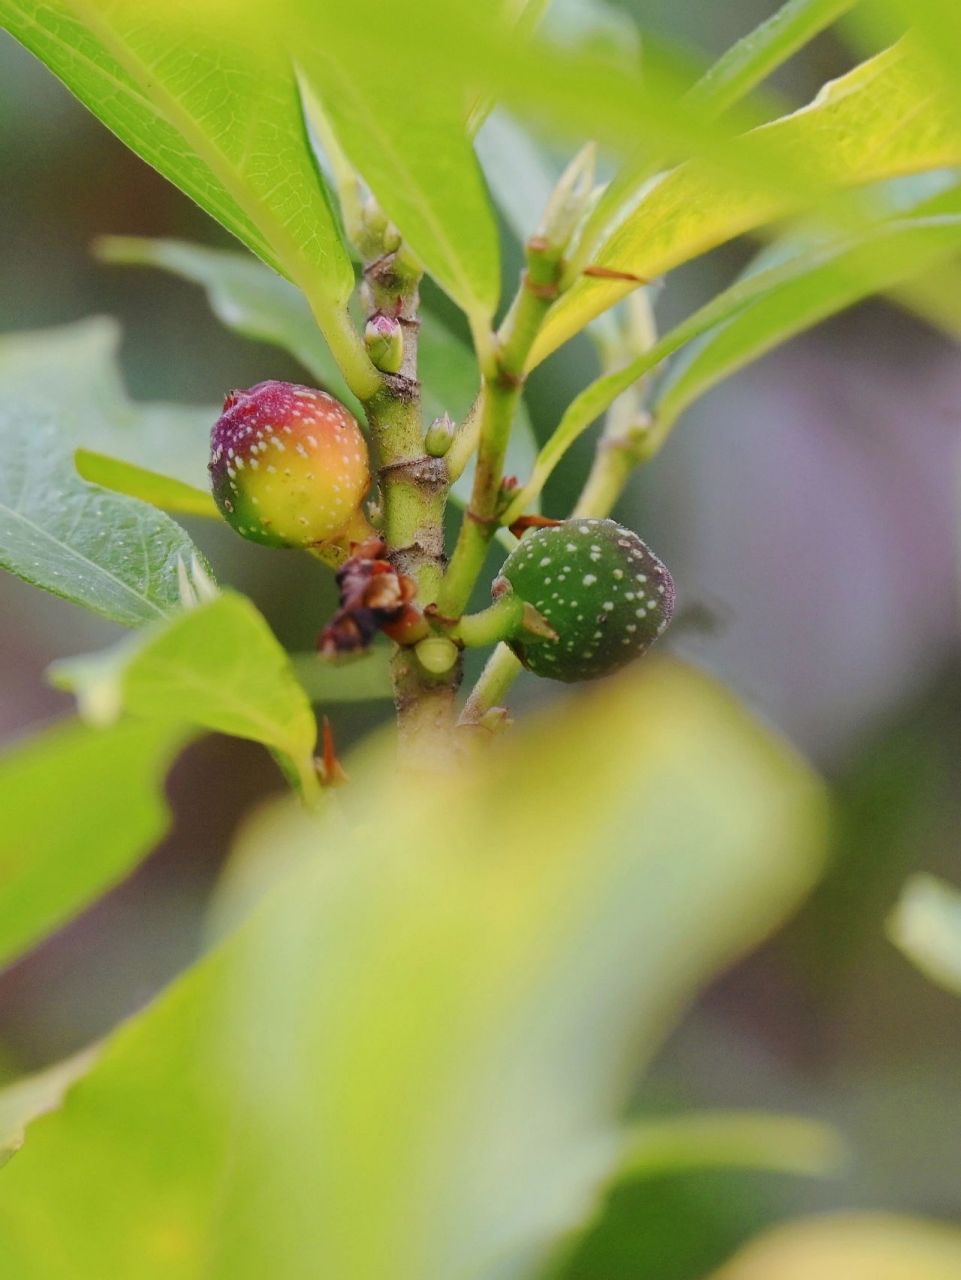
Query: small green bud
[[569, 202], [439, 436], [437, 654], [385, 342], [604, 593]]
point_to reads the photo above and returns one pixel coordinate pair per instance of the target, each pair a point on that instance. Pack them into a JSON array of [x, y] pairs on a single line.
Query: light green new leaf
[[208, 98], [851, 1247], [73, 372], [926, 925], [111, 554], [480, 968], [884, 118], [149, 486], [407, 136], [218, 667], [81, 807]]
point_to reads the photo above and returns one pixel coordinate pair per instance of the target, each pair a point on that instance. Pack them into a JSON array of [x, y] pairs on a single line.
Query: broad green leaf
[[481, 967], [851, 1247], [883, 119], [411, 148], [109, 553], [73, 372], [216, 111], [218, 667], [926, 925], [81, 807], [149, 486], [27, 1099], [787, 291], [730, 1140], [245, 295]]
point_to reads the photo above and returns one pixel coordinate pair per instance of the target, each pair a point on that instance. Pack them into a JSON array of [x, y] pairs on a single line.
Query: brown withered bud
[[373, 597]]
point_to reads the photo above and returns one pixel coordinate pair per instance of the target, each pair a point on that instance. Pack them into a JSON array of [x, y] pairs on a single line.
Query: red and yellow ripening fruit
[[288, 465]]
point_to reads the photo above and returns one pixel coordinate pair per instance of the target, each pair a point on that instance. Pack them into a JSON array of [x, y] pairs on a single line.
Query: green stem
[[501, 619], [492, 687], [501, 391], [413, 490]]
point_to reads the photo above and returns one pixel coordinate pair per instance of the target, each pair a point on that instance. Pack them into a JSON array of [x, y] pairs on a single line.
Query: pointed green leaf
[[817, 280], [788, 289], [520, 969], [137, 482], [81, 807], [413, 151], [884, 118], [218, 667], [752, 59], [217, 111], [111, 554]]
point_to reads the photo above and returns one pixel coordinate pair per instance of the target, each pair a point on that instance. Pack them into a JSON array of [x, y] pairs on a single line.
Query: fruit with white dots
[[601, 589], [289, 466]]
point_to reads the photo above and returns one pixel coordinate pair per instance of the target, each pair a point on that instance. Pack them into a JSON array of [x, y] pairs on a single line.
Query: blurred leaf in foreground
[[863, 1247], [410, 1060], [80, 808]]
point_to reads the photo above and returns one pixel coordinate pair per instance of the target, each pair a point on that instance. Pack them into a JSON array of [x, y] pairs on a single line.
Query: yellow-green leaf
[[410, 1060], [884, 118]]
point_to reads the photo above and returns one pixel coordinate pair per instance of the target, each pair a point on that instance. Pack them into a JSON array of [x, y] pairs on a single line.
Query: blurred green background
[[809, 511]]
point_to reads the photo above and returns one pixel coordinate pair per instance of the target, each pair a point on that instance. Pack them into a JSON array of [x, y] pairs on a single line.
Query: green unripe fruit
[[288, 465], [604, 592]]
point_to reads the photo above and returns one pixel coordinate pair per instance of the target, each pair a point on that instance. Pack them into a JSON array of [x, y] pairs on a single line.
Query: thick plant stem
[[502, 387], [413, 488]]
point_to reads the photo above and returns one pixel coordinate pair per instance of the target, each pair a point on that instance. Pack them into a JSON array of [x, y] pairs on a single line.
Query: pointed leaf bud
[[570, 201], [385, 342], [439, 436], [288, 465]]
